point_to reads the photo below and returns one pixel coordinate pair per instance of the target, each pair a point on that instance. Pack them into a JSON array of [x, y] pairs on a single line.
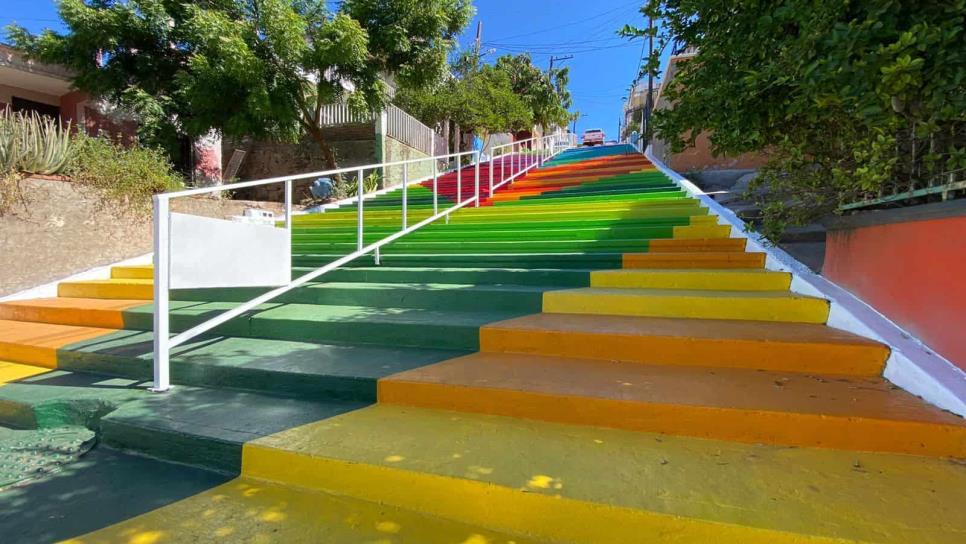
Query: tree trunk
[[328, 154], [446, 136]]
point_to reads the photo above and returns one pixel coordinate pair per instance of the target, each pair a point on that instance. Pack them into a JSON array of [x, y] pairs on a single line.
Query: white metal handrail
[[543, 149]]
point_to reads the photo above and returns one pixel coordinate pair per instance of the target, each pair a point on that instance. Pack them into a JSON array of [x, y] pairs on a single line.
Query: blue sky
[[603, 66]]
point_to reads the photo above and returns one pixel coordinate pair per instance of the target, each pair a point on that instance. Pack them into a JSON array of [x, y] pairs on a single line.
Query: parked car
[[593, 136]]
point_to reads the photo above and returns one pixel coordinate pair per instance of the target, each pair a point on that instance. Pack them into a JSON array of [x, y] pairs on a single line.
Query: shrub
[[131, 175]]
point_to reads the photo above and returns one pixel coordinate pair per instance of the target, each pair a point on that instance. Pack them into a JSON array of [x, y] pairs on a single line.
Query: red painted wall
[[913, 272]]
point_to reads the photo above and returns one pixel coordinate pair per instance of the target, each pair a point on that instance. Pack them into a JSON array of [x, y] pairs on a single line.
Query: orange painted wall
[[913, 272]]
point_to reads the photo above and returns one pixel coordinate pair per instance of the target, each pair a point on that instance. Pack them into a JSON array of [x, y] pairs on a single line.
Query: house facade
[[47, 89]]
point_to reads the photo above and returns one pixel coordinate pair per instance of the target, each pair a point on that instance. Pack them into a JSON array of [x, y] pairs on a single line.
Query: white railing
[[511, 158], [516, 160], [409, 130], [340, 114]]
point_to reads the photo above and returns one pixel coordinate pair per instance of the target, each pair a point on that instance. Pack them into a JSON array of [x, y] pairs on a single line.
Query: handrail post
[[162, 248], [459, 180], [490, 168], [405, 203], [476, 179], [359, 212], [502, 167], [435, 188]]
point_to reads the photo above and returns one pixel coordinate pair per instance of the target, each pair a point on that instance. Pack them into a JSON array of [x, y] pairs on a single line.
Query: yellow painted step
[[246, 510], [702, 231], [863, 413], [746, 305], [130, 289], [12, 372], [695, 279], [584, 484], [133, 272]]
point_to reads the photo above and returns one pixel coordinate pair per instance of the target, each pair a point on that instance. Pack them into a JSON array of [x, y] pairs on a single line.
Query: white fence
[[341, 114], [408, 130]]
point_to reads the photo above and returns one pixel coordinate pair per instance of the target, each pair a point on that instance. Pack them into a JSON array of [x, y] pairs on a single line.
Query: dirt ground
[[67, 228]]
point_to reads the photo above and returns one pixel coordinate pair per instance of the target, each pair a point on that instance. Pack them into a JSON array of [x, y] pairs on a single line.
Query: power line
[[572, 23]]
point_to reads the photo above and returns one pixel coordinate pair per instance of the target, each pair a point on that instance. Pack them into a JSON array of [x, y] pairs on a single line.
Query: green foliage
[[262, 68], [350, 185], [509, 96], [848, 99], [32, 143], [127, 175], [545, 94]]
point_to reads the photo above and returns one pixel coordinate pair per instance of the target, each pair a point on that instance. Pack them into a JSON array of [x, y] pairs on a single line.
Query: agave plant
[[33, 143]]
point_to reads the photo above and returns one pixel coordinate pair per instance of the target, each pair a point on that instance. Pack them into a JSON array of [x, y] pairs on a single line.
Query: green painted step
[[400, 327], [478, 246], [441, 296], [507, 224], [207, 427], [546, 232], [299, 369], [564, 261], [478, 276]]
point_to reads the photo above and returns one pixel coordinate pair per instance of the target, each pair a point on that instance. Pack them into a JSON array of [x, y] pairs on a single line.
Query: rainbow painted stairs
[[589, 356]]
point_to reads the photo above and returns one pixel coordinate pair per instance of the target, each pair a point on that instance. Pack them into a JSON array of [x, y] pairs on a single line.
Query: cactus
[[33, 143]]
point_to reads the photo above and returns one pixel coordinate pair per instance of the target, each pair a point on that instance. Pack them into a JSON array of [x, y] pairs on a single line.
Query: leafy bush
[[129, 175], [33, 143], [350, 185], [848, 99]]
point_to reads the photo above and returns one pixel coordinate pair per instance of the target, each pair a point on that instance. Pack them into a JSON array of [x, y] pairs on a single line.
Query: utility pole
[[479, 38], [552, 59], [646, 126]]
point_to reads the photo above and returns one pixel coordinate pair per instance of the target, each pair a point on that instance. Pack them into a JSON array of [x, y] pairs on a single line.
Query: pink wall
[[913, 272]]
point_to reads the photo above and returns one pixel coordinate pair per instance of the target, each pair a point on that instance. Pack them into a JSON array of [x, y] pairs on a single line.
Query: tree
[[263, 68], [509, 96], [846, 98], [545, 94]]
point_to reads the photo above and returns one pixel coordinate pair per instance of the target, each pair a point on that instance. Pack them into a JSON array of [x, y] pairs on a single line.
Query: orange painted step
[[37, 343], [853, 413], [678, 245], [786, 347], [709, 259], [81, 312]]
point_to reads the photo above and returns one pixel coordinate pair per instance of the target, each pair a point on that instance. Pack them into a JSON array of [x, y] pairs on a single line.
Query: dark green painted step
[[401, 327], [477, 246], [442, 296], [614, 232], [574, 260], [301, 369], [207, 427], [478, 276]]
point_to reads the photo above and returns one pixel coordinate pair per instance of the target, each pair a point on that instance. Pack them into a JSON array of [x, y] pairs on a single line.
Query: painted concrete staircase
[[589, 358]]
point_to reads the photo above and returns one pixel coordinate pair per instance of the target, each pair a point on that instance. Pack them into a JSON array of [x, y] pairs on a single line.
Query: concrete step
[[794, 409], [567, 483], [780, 306], [245, 509], [302, 369], [404, 327], [720, 259], [778, 346], [692, 279]]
